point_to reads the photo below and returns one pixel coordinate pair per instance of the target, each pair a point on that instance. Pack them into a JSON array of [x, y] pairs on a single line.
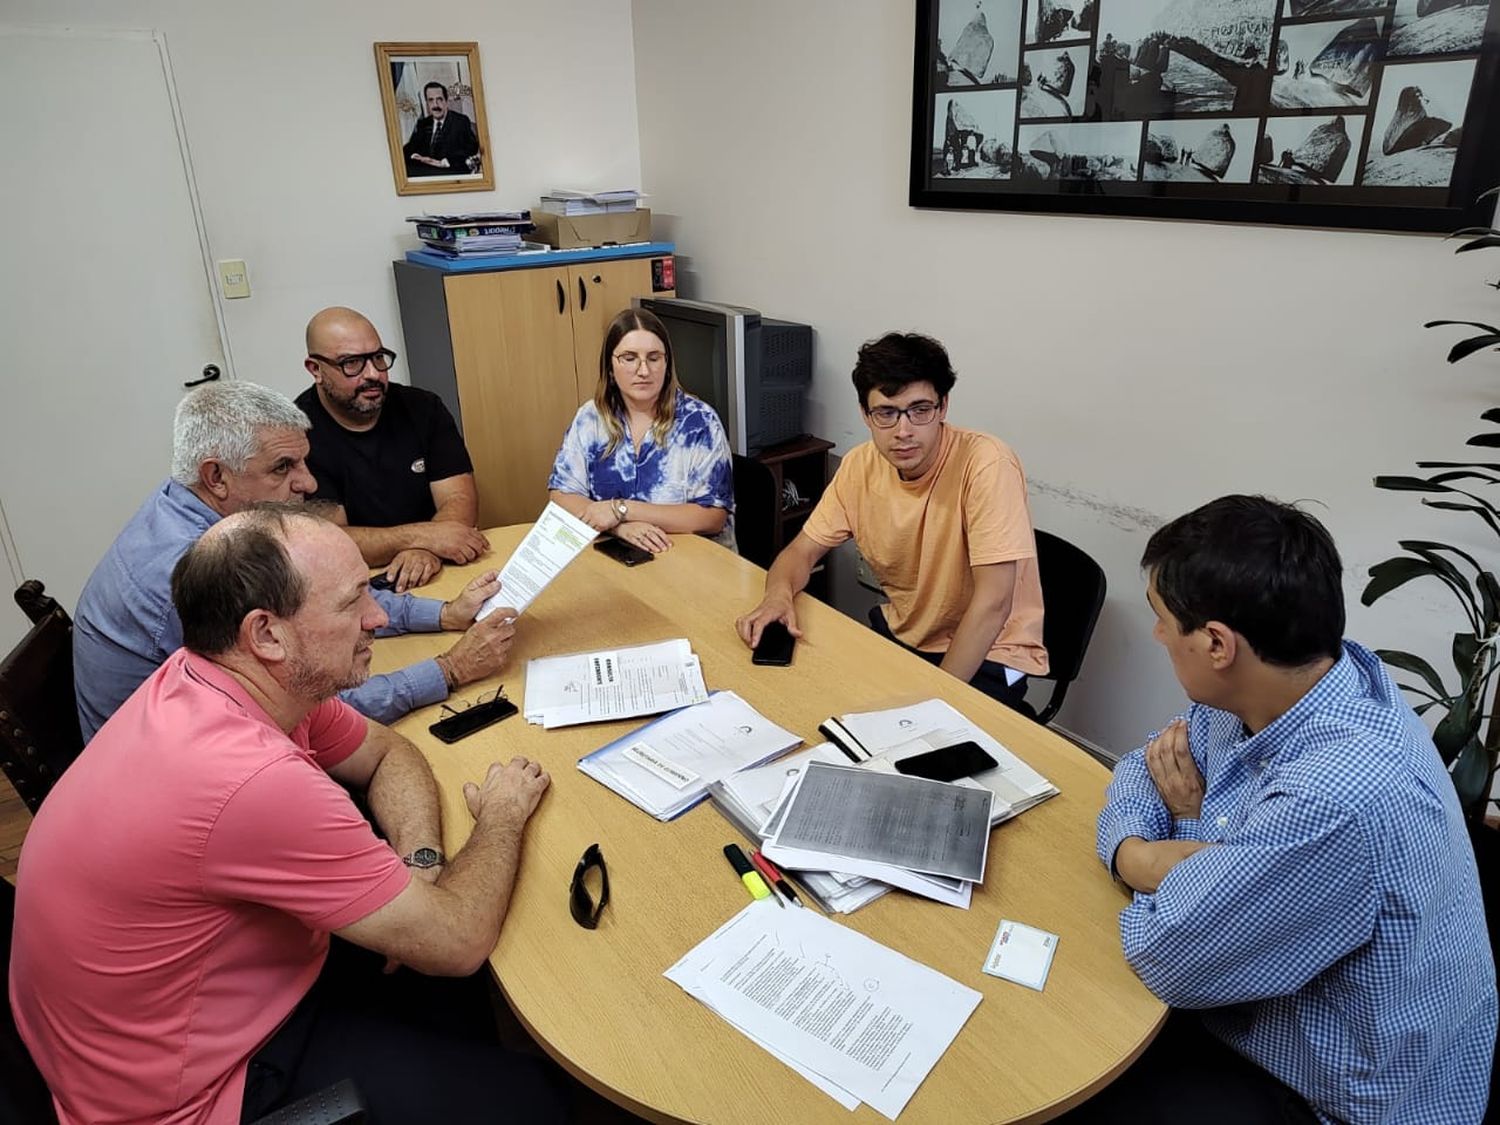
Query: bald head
[[332, 325]]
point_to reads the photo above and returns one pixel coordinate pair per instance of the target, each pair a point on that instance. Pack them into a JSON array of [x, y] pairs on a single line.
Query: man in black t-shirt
[[389, 455]]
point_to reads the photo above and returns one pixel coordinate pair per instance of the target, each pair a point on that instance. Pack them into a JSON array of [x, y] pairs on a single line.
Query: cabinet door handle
[[583, 295], [562, 299]]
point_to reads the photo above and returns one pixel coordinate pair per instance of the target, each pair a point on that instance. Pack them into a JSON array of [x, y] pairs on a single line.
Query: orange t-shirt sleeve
[[995, 512], [829, 524]]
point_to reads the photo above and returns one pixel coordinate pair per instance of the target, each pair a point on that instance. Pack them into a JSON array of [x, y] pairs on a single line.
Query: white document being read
[[552, 543], [867, 1019], [618, 683]]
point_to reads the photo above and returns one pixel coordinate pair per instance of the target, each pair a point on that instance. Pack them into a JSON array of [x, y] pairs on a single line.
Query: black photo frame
[[1366, 114]]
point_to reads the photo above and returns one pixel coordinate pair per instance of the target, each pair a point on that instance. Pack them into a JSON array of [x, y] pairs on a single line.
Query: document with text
[[619, 683], [857, 1014], [553, 542]]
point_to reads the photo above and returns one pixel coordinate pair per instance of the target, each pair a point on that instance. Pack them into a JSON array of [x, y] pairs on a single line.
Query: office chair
[[1073, 588], [39, 732]]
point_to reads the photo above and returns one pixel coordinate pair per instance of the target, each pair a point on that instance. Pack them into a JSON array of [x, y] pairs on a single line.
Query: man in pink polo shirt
[[177, 890]]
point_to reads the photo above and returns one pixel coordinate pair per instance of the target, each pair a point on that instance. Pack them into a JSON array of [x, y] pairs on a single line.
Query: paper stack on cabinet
[[667, 766], [854, 1017], [879, 739], [616, 683]]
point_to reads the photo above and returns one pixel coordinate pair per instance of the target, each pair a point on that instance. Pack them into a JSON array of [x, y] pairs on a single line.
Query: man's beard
[[356, 406], [308, 681]]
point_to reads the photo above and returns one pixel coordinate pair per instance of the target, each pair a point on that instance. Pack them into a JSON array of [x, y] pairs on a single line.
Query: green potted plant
[[1468, 735]]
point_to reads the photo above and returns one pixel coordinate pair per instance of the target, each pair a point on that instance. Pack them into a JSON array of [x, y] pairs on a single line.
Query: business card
[[1022, 954]]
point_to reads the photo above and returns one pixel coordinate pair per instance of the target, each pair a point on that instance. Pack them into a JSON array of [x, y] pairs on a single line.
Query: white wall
[[1138, 367], [283, 120]]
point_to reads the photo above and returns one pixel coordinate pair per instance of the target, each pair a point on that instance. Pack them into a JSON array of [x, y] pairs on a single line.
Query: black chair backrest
[[39, 732], [23, 1095], [1073, 588]]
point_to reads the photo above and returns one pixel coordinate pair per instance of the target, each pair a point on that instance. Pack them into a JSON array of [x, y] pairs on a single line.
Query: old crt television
[[753, 370]]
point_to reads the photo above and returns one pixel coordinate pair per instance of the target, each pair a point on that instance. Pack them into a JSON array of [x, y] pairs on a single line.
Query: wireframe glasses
[[581, 902], [353, 365], [454, 706], [920, 414], [631, 360]]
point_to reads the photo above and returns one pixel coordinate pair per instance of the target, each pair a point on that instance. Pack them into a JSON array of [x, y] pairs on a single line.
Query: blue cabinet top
[[531, 259]]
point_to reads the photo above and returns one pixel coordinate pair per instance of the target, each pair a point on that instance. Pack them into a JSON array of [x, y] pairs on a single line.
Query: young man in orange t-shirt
[[940, 514]]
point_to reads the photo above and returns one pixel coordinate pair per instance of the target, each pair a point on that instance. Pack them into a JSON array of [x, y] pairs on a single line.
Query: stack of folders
[[877, 740], [748, 798], [565, 201], [927, 837], [666, 767], [616, 683], [486, 233]]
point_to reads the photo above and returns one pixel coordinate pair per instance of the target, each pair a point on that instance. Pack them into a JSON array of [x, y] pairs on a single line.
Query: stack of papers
[[747, 800], [667, 766], [565, 201], [878, 740], [555, 540], [616, 683], [927, 837], [854, 1017], [475, 233]]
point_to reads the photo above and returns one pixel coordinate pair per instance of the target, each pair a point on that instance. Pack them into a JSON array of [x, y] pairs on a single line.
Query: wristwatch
[[620, 509], [425, 858]]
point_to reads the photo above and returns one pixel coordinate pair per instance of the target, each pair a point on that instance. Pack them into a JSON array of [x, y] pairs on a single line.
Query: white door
[[108, 307]]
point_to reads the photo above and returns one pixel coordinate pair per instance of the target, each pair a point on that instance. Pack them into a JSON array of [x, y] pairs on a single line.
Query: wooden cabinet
[[775, 491], [513, 352]]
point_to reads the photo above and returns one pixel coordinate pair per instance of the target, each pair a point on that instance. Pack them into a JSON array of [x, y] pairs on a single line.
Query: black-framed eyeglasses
[[920, 414], [582, 903], [454, 706], [354, 365]]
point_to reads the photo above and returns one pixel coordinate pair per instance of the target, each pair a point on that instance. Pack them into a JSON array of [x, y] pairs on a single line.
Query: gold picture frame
[[433, 134]]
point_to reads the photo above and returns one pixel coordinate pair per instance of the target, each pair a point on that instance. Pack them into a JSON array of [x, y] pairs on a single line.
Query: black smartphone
[[382, 582], [962, 759], [474, 718], [621, 551], [775, 647]]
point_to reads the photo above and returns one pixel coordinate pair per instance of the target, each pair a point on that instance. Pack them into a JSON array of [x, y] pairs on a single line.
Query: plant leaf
[[1458, 465], [1489, 590], [1491, 415], [1470, 232], [1431, 550], [1457, 581], [1466, 323], [1471, 774], [1463, 474], [1459, 725], [1465, 649], [1481, 243], [1423, 708], [1410, 484], [1465, 348], [1407, 662], [1488, 440], [1454, 506]]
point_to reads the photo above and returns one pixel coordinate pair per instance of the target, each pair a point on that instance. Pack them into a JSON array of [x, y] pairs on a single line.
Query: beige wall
[[1138, 367]]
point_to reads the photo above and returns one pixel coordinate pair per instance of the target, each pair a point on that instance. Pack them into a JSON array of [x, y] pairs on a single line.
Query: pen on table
[[777, 880], [753, 882]]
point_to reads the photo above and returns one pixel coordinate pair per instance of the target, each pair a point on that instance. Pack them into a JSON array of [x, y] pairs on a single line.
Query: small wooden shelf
[[762, 525]]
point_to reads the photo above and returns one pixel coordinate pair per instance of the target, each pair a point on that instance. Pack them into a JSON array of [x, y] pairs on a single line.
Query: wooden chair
[[39, 732]]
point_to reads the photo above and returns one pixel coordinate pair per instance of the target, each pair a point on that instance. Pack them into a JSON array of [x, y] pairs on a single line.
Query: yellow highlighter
[[748, 875]]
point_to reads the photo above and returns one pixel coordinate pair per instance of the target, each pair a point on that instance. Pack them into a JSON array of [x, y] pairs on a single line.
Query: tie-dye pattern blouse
[[691, 467]]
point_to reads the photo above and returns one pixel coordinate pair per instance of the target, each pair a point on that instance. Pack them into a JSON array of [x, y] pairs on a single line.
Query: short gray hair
[[222, 422]]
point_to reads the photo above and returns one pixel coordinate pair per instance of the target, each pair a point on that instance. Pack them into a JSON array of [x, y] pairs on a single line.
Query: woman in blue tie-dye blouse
[[645, 458]]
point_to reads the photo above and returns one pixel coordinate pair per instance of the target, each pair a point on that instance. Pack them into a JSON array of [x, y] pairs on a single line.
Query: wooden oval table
[[596, 1000]]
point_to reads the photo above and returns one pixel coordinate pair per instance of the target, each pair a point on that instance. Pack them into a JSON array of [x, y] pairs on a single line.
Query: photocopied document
[[553, 542], [836, 1005], [619, 683], [667, 766]]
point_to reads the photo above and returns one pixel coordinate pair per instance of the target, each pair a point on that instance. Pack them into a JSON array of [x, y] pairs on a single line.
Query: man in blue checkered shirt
[[1303, 875]]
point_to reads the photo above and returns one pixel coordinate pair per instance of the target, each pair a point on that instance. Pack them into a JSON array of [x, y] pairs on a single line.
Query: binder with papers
[[618, 683], [666, 767]]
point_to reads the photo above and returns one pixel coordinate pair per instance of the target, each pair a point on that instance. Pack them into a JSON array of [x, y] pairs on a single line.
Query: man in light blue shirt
[[1303, 875], [234, 445]]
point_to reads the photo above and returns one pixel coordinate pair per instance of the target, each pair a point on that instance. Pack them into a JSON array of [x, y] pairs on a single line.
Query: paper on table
[[552, 543], [668, 765], [593, 687], [949, 892], [930, 827], [866, 1018]]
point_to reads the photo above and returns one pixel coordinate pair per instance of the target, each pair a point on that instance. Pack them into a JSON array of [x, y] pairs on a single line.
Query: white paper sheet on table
[[667, 766], [862, 1016], [622, 683], [553, 542]]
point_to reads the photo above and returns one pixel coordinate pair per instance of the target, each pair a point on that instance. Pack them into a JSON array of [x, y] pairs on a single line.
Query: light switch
[[234, 279]]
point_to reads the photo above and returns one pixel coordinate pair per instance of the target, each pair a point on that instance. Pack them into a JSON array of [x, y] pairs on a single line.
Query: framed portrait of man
[[434, 117]]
